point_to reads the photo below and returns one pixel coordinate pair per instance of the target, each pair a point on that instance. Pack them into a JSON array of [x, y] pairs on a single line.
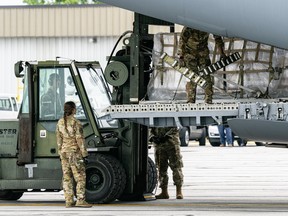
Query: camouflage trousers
[[73, 167], [191, 90], [169, 155], [197, 62]]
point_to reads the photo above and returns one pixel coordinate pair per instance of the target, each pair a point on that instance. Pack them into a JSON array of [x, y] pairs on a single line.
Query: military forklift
[[118, 163], [119, 166]]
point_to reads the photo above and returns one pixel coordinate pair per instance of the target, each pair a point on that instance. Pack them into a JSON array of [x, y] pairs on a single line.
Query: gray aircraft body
[[263, 21]]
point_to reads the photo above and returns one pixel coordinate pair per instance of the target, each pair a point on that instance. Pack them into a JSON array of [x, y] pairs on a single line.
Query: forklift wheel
[[105, 179], [152, 176], [151, 184]]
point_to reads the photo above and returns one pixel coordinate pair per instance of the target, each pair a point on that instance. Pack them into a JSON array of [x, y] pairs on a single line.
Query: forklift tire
[[105, 179], [10, 195], [152, 176], [152, 183]]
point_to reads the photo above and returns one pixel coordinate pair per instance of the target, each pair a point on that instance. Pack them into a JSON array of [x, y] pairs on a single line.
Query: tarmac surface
[[224, 181]]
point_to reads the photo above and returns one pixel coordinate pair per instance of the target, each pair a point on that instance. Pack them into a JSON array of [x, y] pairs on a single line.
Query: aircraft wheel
[[215, 144], [184, 136], [105, 179], [241, 142], [202, 140], [260, 143], [10, 195]]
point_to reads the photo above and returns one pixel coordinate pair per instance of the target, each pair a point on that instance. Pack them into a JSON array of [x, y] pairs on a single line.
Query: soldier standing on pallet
[[194, 54]]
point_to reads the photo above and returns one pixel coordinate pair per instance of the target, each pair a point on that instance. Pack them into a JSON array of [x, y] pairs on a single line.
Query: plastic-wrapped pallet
[[166, 83], [261, 66], [165, 80]]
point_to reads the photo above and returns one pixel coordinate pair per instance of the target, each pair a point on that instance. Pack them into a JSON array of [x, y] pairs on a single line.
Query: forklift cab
[[118, 168], [47, 86]]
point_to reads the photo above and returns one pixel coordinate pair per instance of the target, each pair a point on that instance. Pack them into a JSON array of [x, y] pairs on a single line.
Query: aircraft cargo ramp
[[161, 114], [248, 119]]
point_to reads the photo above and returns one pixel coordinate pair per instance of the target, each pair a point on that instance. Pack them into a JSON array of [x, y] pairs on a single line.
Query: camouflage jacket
[[72, 139], [165, 135], [51, 104], [195, 41]]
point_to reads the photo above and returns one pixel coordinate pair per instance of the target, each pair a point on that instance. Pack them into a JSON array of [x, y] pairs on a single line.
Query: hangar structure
[[80, 32]]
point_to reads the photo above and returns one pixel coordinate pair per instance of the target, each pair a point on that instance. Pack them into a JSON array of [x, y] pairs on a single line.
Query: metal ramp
[[165, 115], [159, 114]]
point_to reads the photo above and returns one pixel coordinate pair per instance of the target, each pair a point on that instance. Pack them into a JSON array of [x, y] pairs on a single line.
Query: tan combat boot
[[164, 194], [69, 201], [179, 194], [82, 204], [70, 204]]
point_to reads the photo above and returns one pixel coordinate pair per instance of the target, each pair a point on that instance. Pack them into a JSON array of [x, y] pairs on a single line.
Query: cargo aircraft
[[262, 21]]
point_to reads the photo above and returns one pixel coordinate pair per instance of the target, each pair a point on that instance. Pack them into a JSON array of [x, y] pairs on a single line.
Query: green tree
[[55, 2]]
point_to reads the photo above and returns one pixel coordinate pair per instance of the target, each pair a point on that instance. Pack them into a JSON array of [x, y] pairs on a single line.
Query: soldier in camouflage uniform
[[194, 54], [72, 151], [167, 153], [51, 106]]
